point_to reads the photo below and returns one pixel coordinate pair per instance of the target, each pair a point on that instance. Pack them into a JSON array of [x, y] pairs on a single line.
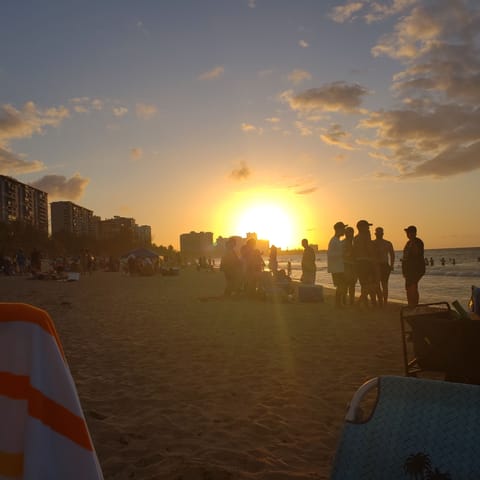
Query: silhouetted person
[[254, 265], [385, 255], [349, 265], [35, 261], [335, 262], [413, 265], [231, 266], [364, 262], [272, 260], [309, 267]]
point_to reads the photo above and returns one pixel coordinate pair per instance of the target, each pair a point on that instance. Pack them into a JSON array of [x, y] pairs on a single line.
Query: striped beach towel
[[43, 433]]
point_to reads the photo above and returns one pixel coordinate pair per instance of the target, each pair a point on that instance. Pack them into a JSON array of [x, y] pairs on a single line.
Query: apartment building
[[70, 218], [23, 203]]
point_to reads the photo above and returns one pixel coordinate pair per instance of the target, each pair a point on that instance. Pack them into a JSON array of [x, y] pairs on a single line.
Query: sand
[[177, 383]]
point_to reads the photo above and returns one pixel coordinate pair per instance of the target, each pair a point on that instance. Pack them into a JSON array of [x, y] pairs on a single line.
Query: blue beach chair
[[419, 428]]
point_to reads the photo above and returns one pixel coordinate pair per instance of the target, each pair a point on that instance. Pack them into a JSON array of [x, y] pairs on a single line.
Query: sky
[[279, 117]]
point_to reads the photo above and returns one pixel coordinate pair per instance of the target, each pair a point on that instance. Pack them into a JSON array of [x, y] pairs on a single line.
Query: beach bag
[[474, 303]]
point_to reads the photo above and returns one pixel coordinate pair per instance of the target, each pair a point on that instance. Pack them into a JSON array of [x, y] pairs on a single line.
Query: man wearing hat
[[335, 262], [413, 265]]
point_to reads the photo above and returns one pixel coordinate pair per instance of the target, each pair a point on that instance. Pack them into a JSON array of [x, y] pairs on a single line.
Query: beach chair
[[436, 341], [419, 429], [43, 433]]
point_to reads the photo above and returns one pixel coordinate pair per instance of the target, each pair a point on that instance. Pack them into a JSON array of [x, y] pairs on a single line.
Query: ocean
[[448, 282]]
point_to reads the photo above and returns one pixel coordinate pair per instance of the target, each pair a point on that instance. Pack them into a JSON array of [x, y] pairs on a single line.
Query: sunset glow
[[279, 118], [274, 215], [270, 222]]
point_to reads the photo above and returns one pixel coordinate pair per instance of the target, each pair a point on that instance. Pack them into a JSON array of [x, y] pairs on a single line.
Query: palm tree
[[416, 464]]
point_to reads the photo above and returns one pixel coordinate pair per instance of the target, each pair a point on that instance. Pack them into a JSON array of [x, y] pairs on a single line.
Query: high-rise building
[[23, 203], [144, 234], [116, 226], [70, 218]]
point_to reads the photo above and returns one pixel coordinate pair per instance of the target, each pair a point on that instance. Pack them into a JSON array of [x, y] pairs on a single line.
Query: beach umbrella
[[141, 253]]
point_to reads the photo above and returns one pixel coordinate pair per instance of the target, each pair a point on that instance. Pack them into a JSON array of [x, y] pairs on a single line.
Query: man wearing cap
[[385, 257], [413, 265], [335, 262], [364, 261]]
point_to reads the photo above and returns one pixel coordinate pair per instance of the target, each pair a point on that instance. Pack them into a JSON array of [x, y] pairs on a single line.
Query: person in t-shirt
[[413, 265], [335, 262], [385, 258]]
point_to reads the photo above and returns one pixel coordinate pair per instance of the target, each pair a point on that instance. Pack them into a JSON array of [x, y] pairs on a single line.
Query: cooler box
[[310, 293]]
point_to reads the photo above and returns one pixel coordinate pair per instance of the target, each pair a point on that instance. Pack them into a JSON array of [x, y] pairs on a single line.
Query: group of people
[[370, 261], [245, 272]]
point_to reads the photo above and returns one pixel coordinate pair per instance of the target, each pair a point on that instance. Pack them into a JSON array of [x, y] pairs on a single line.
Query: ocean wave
[[453, 273]]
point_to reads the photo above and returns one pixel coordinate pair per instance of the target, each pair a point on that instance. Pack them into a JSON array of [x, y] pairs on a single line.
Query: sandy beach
[[179, 383]]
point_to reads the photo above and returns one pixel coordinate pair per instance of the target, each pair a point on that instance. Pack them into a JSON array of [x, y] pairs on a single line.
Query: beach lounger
[[43, 433], [419, 429], [436, 341]]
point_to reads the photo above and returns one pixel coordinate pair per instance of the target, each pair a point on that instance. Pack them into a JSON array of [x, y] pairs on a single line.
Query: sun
[[270, 222], [274, 215]]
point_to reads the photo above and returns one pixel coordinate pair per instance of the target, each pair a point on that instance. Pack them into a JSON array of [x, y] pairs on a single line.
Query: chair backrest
[[419, 428], [43, 432]]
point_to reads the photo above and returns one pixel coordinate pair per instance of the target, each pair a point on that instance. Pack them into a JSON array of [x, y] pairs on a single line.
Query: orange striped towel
[[43, 431]]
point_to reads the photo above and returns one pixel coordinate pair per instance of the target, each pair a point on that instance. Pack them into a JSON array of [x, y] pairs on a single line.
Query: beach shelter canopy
[[141, 253]]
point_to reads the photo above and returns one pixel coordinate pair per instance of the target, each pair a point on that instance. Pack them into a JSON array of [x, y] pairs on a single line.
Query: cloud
[[119, 111], [241, 173], [272, 120], [136, 153], [212, 74], [371, 11], [249, 128], [304, 130], [343, 13], [306, 191], [416, 142], [59, 187], [436, 133], [332, 97], [298, 76], [449, 162], [252, 3], [86, 104], [28, 121], [303, 43], [145, 111], [336, 136], [11, 163]]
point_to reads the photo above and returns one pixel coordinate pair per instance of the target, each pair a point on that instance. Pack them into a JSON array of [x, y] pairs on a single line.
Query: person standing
[[349, 265], [272, 260], [254, 265], [309, 267], [231, 266], [364, 263], [335, 262], [385, 255], [413, 265]]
